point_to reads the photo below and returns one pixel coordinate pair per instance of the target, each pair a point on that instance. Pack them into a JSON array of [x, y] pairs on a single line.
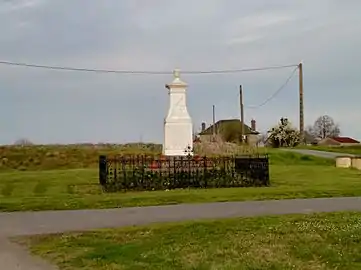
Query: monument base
[[178, 139], [178, 153]]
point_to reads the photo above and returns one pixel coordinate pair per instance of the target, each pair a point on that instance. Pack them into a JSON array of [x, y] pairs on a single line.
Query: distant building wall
[[332, 142], [328, 142], [252, 139], [349, 144], [210, 138], [229, 130]]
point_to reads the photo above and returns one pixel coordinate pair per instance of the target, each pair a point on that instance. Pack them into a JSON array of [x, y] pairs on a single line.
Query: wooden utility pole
[[300, 72], [242, 111], [214, 121]]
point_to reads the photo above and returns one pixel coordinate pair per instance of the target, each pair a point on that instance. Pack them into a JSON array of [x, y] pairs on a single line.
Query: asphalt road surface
[[317, 153], [14, 257], [45, 222]]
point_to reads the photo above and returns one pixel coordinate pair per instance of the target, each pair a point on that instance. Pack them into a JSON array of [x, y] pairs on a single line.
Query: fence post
[[103, 170], [266, 164]]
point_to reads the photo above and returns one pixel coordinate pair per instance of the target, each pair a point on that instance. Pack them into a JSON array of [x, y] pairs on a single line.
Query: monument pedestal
[[178, 127]]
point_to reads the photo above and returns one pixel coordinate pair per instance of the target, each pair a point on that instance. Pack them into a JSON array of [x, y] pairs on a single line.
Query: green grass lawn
[[302, 242], [355, 150], [292, 176], [36, 187]]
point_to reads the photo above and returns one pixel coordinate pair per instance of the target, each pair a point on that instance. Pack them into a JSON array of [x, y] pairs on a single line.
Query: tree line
[[282, 135]]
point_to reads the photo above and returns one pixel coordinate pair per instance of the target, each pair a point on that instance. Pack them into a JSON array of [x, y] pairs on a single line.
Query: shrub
[[284, 135]]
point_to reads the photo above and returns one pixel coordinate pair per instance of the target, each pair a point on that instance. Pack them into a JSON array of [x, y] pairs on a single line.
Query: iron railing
[[161, 173]]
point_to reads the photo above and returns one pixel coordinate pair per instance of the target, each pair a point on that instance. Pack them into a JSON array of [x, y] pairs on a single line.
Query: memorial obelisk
[[178, 127]]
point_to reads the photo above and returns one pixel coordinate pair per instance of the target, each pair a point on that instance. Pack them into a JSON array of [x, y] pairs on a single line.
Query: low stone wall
[[343, 162], [349, 162], [356, 163]]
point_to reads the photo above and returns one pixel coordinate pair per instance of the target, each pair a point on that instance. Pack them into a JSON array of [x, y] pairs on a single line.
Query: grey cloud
[[161, 35]]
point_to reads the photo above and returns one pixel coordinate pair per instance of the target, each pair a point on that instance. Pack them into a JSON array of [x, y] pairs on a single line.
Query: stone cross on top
[[176, 73]]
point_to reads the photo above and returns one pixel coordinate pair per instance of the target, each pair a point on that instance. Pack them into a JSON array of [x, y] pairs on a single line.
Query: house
[[338, 141], [229, 130]]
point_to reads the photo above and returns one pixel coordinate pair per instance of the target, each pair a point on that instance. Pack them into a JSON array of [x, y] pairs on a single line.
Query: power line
[[238, 70], [81, 69], [275, 93], [197, 72]]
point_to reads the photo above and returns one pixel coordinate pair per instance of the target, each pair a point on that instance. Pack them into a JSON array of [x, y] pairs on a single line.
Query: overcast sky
[[68, 107]]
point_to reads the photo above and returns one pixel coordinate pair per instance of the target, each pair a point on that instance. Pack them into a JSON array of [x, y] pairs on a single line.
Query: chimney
[[203, 126], [253, 125]]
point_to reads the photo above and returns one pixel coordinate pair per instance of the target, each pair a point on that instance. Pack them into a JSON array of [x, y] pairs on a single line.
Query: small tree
[[325, 127], [284, 135]]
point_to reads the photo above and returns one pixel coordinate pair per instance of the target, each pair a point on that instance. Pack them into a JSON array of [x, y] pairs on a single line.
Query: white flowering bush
[[284, 135]]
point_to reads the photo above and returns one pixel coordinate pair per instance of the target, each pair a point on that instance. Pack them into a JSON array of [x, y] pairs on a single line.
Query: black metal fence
[[162, 173]]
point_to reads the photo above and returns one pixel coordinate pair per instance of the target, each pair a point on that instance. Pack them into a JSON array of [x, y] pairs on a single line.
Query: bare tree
[[263, 138], [23, 142], [325, 127], [309, 136]]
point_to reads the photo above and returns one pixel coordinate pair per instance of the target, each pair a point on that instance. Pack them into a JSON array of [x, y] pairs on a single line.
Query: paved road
[[31, 223], [317, 153]]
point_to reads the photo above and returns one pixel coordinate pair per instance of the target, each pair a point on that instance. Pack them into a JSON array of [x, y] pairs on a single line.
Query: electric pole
[[300, 75], [214, 121], [242, 111]]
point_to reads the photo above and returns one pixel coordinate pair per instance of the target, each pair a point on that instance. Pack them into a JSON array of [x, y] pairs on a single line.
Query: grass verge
[[303, 242], [79, 189]]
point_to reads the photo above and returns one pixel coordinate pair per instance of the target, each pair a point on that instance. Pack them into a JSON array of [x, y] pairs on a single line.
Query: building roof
[[344, 140], [222, 125]]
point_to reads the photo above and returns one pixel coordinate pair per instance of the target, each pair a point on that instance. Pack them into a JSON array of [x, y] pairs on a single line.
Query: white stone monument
[[178, 133]]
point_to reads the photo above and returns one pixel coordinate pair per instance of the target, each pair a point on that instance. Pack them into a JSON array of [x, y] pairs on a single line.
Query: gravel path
[[31, 223], [317, 153]]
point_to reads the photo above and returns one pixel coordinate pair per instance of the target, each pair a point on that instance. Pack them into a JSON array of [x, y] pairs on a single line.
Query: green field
[[292, 176], [301, 242], [54, 157], [64, 157]]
